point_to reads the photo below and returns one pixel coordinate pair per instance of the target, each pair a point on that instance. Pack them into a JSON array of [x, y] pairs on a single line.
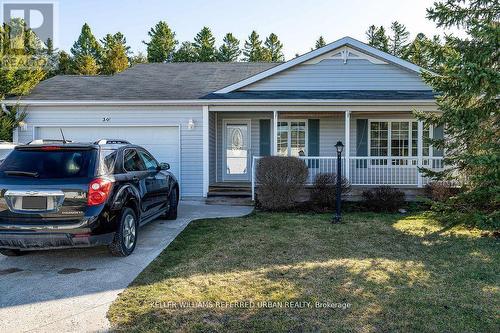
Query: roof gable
[[342, 50]]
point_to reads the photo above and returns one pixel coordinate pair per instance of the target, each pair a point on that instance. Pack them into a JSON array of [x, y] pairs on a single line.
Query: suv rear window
[[107, 161], [50, 164]]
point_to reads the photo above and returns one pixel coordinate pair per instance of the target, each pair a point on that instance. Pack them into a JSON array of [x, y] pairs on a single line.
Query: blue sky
[[297, 23]]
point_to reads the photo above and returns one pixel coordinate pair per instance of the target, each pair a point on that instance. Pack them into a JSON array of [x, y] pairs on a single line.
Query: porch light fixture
[[340, 147], [190, 124], [338, 214], [23, 126]]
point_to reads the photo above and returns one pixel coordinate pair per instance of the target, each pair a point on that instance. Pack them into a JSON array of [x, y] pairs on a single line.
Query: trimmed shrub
[[324, 191], [383, 199], [280, 180], [440, 191]]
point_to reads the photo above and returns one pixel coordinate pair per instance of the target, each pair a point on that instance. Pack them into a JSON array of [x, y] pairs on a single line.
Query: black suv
[[62, 195]]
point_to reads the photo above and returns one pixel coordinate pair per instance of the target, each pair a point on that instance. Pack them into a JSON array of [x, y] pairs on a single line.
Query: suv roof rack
[[44, 141], [111, 142]]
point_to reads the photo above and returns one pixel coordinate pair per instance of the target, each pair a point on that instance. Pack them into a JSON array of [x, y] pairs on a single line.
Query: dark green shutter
[[265, 137], [361, 141], [313, 146], [438, 135], [313, 141]]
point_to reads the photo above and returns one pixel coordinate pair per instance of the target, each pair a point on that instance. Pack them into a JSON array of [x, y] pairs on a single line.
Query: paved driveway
[[71, 290]]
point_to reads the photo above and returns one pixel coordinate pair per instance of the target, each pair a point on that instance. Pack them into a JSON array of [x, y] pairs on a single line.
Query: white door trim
[[224, 135]]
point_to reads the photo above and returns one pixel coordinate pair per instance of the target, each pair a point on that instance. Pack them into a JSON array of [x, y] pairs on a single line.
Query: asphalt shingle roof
[[171, 81], [328, 94]]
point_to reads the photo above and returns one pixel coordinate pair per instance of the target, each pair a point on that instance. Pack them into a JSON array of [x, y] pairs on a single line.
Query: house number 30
[[106, 119]]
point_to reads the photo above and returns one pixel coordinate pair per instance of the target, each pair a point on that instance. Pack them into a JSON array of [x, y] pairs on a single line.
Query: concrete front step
[[243, 194], [229, 201]]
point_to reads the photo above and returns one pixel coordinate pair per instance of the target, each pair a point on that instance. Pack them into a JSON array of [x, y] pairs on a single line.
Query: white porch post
[[275, 133], [420, 151], [206, 164], [347, 155]]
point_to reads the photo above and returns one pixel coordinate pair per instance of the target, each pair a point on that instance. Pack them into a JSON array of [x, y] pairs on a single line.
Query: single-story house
[[213, 121]]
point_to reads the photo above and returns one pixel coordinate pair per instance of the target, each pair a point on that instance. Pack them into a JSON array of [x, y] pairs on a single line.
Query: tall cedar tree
[[273, 49], [64, 65], [468, 89], [320, 43], [161, 47], [230, 50], [87, 53], [116, 51], [23, 67], [399, 39], [378, 38], [204, 46], [253, 50], [85, 65], [185, 53], [420, 52]]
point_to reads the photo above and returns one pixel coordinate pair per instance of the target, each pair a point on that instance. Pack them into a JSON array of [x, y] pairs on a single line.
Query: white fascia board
[[356, 44], [214, 102]]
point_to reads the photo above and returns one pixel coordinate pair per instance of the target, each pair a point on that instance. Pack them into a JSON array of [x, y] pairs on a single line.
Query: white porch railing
[[369, 171]]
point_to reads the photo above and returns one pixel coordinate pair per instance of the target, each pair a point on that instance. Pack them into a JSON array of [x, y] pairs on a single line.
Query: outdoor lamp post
[[338, 217]]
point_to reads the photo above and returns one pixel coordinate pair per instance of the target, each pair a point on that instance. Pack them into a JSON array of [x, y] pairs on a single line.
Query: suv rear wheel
[[126, 237]]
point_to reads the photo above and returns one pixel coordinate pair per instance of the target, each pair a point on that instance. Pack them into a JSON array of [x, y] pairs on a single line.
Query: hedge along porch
[[382, 148]]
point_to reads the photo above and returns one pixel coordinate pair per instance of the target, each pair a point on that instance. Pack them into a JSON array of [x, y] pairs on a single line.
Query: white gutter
[[201, 102]]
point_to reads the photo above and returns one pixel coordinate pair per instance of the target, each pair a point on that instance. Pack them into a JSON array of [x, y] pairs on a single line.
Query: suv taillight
[[99, 190]]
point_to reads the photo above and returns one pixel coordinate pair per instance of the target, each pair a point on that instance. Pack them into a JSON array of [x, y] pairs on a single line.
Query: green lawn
[[387, 272]]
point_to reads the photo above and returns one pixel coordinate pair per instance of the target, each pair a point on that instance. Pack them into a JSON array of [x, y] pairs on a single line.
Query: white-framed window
[[292, 138], [397, 138]]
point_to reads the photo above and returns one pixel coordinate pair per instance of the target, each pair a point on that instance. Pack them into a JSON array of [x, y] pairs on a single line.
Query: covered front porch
[[380, 148]]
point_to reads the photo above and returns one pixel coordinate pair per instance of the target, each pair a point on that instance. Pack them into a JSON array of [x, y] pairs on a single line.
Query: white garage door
[[161, 141]]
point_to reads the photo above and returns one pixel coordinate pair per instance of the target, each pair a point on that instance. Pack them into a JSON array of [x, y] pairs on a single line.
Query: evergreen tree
[[87, 45], [204, 46], [161, 47], [52, 59], [138, 58], [118, 38], [320, 43], [399, 38], [253, 50], [116, 51], [371, 35], [468, 89], [50, 46], [230, 50], [64, 63], [420, 52], [115, 59], [22, 68], [273, 50], [85, 65], [378, 38], [185, 53]]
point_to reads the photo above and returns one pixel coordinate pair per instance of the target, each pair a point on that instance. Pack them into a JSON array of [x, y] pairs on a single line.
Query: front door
[[237, 154]]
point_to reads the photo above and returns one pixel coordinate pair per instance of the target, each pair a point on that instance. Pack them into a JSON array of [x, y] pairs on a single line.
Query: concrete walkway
[[71, 290]]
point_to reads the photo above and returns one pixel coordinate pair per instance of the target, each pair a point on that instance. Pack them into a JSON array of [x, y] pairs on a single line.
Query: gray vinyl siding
[[212, 146], [356, 74], [191, 158]]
